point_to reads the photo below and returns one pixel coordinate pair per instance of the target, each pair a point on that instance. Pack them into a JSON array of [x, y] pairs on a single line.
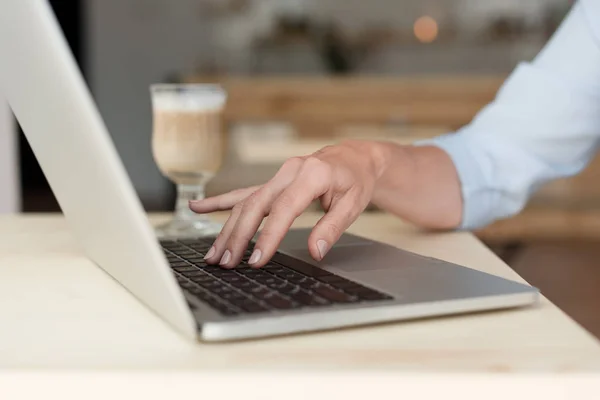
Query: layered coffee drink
[[189, 145], [188, 140]]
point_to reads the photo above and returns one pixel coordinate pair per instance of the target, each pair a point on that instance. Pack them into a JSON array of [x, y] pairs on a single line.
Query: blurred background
[[305, 73]]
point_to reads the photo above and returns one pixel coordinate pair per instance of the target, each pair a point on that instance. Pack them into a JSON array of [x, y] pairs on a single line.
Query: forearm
[[419, 184]]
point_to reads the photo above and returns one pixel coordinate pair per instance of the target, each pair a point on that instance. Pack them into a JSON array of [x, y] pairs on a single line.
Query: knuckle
[[323, 150], [242, 193], [332, 230], [317, 166], [293, 163], [250, 202], [313, 161], [269, 238], [237, 209], [285, 202], [254, 201]]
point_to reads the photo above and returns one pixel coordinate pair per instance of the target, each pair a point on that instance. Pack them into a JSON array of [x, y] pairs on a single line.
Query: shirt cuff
[[478, 198]]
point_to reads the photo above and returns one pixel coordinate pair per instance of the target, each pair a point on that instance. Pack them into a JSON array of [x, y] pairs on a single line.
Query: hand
[[342, 177]]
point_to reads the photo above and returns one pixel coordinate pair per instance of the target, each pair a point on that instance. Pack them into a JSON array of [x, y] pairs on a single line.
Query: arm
[[419, 184], [543, 125]]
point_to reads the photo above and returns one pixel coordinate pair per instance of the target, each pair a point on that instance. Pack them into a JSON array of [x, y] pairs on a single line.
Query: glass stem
[[186, 193]]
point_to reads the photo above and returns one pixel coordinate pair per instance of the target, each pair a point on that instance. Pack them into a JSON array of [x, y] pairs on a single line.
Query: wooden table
[[60, 311]]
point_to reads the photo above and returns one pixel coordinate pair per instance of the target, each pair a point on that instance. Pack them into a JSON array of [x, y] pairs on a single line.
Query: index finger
[[222, 202], [289, 205]]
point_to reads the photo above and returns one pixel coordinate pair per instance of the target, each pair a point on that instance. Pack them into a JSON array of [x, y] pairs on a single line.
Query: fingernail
[[255, 256], [226, 257], [323, 247], [210, 253]]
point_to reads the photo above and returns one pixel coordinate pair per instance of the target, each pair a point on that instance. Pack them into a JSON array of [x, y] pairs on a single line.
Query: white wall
[[9, 173]]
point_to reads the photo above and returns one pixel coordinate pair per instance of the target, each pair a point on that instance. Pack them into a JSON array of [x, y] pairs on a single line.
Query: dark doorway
[[36, 193]]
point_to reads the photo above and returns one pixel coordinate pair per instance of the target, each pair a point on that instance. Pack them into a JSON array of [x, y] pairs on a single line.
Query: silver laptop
[[360, 281]]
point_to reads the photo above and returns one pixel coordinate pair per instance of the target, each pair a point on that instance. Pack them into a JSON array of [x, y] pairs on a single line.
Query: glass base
[[186, 229]]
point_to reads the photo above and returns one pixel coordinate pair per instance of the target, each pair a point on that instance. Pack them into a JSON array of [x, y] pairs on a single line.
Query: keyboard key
[[308, 283], [250, 273], [189, 242], [233, 297], [221, 290], [197, 260], [185, 268], [298, 280], [307, 299], [187, 254], [287, 288], [213, 269], [265, 280], [233, 279], [222, 273], [252, 306], [362, 292], [194, 273], [184, 283], [174, 246], [178, 263], [332, 294], [273, 282], [169, 243], [260, 292], [203, 278], [291, 276], [275, 268], [333, 280], [201, 294], [279, 302], [244, 285], [210, 284], [299, 266], [201, 250]]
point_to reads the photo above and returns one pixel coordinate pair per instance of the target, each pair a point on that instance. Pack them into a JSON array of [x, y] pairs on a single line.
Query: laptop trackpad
[[362, 258], [355, 258]]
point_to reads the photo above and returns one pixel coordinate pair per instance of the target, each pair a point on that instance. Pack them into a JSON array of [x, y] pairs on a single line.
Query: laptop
[[360, 282]]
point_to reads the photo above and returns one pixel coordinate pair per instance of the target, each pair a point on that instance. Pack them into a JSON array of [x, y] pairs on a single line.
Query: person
[[543, 124]]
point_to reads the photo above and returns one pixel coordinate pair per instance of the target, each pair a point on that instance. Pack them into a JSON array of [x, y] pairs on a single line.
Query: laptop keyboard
[[285, 283]]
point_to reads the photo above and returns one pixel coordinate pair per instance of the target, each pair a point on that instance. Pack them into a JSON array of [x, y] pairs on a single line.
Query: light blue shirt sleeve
[[544, 124]]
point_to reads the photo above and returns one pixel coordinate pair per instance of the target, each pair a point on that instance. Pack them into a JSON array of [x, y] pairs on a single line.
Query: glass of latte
[[188, 145]]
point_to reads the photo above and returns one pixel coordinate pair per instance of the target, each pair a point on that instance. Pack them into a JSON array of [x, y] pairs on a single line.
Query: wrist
[[391, 158]]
